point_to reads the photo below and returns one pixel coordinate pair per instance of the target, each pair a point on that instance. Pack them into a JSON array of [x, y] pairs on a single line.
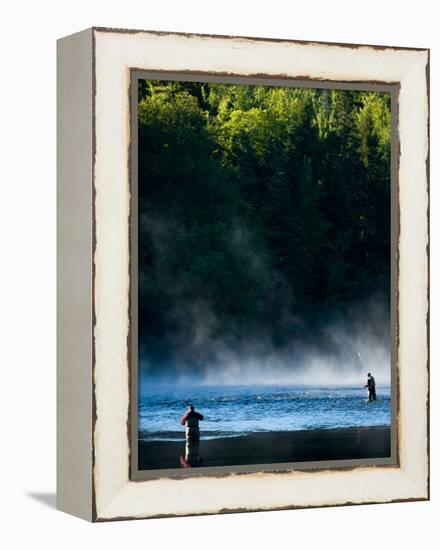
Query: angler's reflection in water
[[192, 457]]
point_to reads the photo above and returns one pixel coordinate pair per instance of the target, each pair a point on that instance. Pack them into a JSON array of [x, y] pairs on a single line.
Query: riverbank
[[269, 447]]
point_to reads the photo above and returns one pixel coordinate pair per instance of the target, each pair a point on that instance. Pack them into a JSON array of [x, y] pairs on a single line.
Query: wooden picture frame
[[97, 330]]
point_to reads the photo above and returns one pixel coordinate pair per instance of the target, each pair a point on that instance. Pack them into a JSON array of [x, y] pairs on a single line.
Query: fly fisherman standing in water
[[191, 420], [371, 385]]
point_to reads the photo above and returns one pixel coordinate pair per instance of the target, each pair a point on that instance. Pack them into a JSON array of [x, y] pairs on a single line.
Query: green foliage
[[268, 204]]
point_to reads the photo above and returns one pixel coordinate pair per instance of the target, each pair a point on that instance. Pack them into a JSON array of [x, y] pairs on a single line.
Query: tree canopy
[[262, 210]]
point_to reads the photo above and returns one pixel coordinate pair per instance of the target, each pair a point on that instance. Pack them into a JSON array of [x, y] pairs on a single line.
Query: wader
[[192, 430]]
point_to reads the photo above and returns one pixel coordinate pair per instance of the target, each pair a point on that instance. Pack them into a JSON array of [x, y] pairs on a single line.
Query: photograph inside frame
[[263, 274]]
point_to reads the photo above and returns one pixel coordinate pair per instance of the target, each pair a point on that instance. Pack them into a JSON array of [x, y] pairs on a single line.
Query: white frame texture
[[94, 274]]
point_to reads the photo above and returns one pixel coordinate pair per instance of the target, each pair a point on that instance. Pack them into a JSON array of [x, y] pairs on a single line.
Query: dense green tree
[[266, 208]]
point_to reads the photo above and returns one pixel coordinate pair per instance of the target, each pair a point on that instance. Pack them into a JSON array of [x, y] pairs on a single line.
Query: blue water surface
[[239, 410]]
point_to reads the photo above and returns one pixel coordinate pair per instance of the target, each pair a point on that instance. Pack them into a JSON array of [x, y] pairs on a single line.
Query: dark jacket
[[191, 415]]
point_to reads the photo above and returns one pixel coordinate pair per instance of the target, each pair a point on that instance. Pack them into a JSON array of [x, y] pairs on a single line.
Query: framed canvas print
[[242, 274]]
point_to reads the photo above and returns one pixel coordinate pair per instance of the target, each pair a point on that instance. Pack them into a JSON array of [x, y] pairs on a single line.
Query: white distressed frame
[[114, 495]]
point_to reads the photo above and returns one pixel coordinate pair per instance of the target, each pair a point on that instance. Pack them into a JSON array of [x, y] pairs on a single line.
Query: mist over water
[[340, 353]]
